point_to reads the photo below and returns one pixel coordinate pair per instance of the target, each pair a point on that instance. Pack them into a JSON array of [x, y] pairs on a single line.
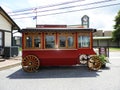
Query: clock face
[[85, 19]]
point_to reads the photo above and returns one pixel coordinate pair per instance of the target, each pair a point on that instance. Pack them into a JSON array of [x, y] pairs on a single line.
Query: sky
[[100, 18]]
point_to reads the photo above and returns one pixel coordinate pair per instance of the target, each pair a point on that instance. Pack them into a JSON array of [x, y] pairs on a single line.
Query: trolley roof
[[57, 29]]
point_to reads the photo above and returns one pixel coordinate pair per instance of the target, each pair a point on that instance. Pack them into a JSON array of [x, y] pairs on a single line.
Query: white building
[[7, 25]]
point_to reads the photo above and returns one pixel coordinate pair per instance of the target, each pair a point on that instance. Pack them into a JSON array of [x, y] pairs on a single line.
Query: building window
[[84, 41], [49, 40], [17, 40]]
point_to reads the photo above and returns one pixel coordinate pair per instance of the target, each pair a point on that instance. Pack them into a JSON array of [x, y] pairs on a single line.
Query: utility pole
[[35, 17]]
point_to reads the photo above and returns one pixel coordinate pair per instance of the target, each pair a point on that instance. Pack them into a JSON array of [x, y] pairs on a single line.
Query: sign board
[[104, 51]]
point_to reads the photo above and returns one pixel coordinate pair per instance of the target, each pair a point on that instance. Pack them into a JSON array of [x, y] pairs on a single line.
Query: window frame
[[40, 41], [66, 35], [84, 34], [32, 35], [50, 34]]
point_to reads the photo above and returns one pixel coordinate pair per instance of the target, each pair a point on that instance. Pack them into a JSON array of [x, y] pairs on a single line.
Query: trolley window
[[28, 41], [66, 40], [70, 41], [49, 40], [37, 42], [62, 41], [32, 40], [84, 40]]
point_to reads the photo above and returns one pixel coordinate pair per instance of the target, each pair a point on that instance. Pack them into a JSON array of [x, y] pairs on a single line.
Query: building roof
[[8, 18], [101, 38]]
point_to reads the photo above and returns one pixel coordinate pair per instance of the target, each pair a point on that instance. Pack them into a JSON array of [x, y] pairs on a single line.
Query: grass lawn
[[114, 49], [20, 49]]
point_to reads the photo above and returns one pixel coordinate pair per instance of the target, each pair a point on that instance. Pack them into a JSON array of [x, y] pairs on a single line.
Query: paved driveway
[[64, 78]]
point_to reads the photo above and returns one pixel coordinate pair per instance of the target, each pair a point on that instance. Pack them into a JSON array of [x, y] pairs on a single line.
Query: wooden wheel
[[30, 63], [83, 59], [94, 63]]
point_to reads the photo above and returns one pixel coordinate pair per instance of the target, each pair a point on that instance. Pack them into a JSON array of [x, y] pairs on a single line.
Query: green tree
[[116, 32]]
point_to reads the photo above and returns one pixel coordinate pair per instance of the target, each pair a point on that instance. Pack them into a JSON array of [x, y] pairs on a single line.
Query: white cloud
[[102, 21], [5, 7]]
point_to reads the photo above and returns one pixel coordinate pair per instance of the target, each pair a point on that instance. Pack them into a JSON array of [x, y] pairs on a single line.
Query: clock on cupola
[[85, 21]]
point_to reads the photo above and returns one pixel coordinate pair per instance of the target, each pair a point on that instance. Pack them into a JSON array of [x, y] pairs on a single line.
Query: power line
[[66, 7], [46, 6], [81, 9], [71, 11]]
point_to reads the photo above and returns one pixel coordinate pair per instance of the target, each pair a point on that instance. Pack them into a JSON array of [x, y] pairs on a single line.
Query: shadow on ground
[[55, 72]]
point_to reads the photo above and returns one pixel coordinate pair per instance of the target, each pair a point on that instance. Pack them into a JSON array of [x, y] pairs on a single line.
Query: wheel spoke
[[83, 59], [94, 63], [30, 63]]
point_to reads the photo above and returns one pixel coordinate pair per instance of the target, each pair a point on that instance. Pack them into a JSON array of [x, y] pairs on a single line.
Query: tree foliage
[[116, 32]]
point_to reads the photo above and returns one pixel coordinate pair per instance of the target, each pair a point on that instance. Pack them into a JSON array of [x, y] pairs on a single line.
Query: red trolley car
[[57, 45]]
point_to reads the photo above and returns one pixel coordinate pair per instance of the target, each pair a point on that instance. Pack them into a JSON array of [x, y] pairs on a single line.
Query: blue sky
[[100, 18]]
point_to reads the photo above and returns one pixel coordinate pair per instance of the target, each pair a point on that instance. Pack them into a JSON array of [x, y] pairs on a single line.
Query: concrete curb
[[10, 63], [10, 66], [1, 60]]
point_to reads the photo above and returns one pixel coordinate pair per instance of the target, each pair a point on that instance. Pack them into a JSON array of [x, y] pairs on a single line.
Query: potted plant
[[103, 60]]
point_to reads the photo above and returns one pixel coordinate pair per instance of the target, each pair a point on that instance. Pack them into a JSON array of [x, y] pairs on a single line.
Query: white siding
[[4, 24], [7, 39], [1, 37]]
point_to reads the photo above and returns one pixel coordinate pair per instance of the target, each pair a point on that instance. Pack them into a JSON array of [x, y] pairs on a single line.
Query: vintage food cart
[[57, 45]]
